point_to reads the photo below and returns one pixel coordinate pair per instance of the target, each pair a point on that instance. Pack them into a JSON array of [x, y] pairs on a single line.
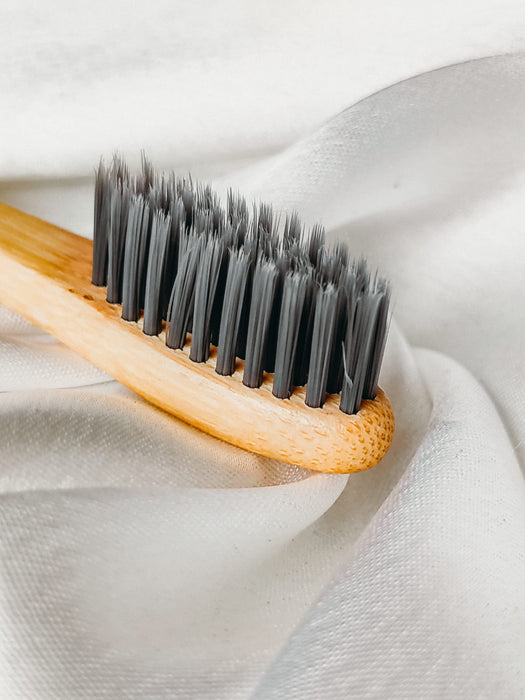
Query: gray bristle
[[334, 382], [294, 292], [134, 257], [302, 357], [158, 250], [100, 226], [289, 305], [378, 339], [292, 230], [205, 288], [263, 291], [232, 305], [315, 242], [119, 212], [322, 339], [180, 308]]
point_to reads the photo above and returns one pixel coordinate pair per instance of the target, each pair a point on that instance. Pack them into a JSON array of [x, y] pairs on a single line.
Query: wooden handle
[[46, 277]]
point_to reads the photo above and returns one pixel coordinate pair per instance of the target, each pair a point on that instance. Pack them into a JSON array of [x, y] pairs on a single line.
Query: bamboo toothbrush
[[271, 343]]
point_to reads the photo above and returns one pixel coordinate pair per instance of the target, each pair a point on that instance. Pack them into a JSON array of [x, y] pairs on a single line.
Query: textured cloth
[[140, 558]]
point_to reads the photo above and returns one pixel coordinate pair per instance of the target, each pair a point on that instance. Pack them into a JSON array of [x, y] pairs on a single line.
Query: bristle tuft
[[232, 305], [263, 291]]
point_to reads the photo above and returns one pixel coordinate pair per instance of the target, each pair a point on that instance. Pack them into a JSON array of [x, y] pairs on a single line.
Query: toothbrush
[[270, 342]]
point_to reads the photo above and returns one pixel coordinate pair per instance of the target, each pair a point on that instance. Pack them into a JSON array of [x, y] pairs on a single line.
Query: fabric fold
[[422, 609]]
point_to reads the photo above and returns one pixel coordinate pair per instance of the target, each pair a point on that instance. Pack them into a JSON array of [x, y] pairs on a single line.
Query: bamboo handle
[[46, 277]]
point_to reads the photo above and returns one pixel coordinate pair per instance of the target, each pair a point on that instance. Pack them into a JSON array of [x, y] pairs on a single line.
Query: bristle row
[[286, 304]]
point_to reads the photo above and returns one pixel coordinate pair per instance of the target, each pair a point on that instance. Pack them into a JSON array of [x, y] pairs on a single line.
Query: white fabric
[[142, 559]]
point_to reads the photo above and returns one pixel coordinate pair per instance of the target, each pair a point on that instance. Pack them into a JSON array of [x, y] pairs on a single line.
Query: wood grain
[[45, 275]]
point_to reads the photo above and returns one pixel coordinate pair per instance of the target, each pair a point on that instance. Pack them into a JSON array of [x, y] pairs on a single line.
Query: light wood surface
[[45, 275]]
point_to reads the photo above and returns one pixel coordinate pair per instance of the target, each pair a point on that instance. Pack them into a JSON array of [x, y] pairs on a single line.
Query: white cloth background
[[142, 559]]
